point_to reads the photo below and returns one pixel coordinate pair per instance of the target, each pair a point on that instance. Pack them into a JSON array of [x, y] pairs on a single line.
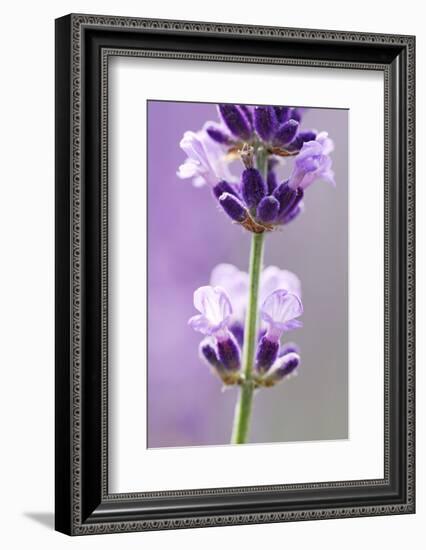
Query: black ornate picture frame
[[83, 45]]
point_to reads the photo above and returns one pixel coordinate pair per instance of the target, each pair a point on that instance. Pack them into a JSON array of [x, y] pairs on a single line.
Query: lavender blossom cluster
[[258, 201], [222, 307]]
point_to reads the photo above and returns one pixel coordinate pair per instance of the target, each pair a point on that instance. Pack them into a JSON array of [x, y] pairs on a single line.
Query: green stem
[[245, 402]]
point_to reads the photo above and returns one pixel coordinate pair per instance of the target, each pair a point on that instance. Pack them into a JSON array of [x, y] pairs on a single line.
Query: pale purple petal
[[279, 311], [206, 162], [215, 310], [313, 163]]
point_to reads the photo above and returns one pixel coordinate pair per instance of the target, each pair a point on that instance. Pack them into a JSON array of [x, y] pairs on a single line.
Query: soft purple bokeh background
[[187, 237]]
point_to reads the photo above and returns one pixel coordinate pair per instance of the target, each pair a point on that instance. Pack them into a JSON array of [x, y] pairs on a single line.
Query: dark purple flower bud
[[265, 122], [208, 352], [233, 207], [267, 209], [286, 132], [291, 362], [235, 120], [283, 114], [253, 187], [290, 347], [296, 114], [217, 135], [229, 353], [285, 195], [292, 215], [237, 330], [292, 203], [272, 182], [284, 366], [223, 187], [249, 116], [267, 353], [300, 139]]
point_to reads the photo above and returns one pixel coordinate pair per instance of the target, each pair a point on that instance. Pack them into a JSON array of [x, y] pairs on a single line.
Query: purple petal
[[215, 310]]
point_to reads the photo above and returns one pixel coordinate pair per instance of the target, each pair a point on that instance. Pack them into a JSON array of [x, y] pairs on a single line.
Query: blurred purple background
[[187, 237]]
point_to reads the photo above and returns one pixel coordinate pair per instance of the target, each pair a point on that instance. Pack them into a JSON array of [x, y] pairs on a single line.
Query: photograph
[[247, 260], [235, 273]]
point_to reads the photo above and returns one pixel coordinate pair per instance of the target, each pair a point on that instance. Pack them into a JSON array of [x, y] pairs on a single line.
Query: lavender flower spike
[[280, 311], [236, 120], [313, 163], [215, 312]]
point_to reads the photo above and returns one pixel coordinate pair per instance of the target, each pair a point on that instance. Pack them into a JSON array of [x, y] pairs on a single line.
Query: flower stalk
[[245, 401]]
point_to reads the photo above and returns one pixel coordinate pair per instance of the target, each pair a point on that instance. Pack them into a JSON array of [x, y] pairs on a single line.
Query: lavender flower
[[206, 159], [222, 308], [215, 311], [280, 311], [259, 202], [221, 350], [313, 163]]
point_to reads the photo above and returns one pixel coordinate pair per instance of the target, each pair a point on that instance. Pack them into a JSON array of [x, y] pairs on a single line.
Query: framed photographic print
[[234, 274]]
